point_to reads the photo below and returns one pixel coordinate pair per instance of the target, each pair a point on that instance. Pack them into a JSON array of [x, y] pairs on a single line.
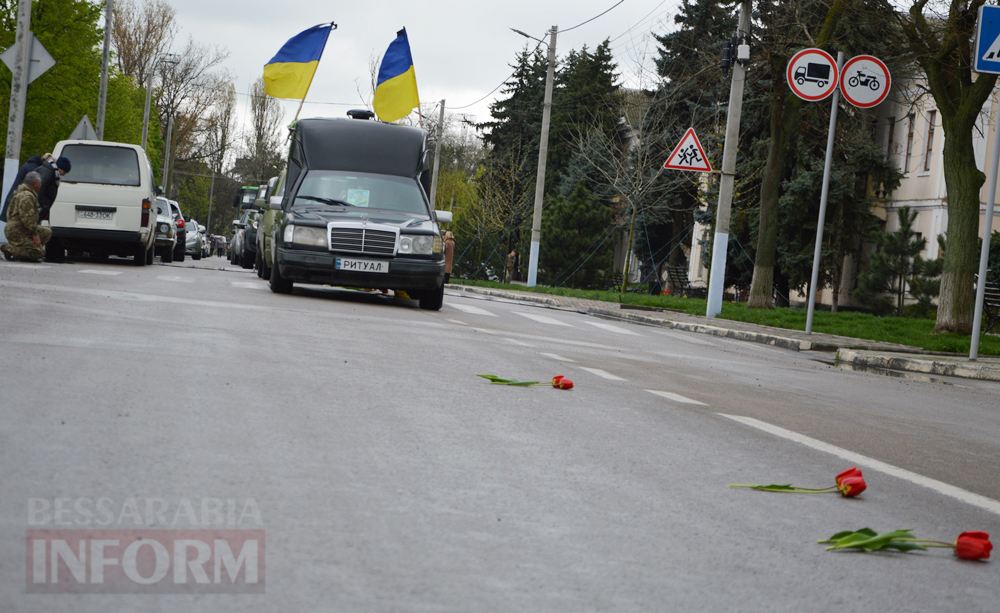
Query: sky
[[462, 50]]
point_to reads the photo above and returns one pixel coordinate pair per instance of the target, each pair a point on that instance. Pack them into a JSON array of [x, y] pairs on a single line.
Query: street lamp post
[[167, 58], [543, 151]]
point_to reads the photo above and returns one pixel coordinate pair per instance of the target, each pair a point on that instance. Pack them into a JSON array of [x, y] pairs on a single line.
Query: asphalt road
[[352, 429]]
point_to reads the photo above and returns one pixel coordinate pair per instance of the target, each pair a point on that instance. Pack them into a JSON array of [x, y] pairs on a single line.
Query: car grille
[[363, 240]]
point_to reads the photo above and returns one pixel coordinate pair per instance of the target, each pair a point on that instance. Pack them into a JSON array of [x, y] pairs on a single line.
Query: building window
[[931, 116], [909, 141], [890, 135]]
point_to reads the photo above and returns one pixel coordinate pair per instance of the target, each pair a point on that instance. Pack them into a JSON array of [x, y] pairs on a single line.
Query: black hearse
[[356, 211]]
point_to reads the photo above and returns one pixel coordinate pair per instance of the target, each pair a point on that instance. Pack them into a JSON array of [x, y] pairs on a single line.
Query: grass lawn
[[904, 330]]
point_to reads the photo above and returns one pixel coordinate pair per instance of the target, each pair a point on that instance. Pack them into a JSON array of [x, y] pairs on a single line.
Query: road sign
[[84, 130], [688, 155], [40, 59], [987, 48], [812, 74], [865, 81]]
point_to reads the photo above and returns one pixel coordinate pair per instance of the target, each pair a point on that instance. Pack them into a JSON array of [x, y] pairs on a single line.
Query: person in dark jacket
[[51, 170]]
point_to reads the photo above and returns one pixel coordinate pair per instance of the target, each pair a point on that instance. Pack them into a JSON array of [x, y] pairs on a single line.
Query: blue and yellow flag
[[290, 72], [396, 91]]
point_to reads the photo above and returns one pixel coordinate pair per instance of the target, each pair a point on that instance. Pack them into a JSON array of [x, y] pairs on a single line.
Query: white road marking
[[687, 337], [471, 310], [559, 358], [518, 343], [456, 321], [174, 279], [248, 285], [28, 265], [611, 328], [856, 458], [94, 271], [544, 319], [676, 397], [603, 374]]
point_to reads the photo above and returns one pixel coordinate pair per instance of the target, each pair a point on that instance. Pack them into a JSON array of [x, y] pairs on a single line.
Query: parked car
[[105, 205], [275, 187], [166, 231], [181, 230], [356, 212], [195, 239], [236, 242]]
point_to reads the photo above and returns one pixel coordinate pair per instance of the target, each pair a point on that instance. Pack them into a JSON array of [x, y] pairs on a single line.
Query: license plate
[[94, 214], [362, 265]]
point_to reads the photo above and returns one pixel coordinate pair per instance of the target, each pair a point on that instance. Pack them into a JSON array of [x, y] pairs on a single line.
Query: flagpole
[[333, 26]]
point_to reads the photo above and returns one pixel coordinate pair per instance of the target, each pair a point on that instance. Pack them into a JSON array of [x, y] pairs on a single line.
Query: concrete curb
[[932, 365]]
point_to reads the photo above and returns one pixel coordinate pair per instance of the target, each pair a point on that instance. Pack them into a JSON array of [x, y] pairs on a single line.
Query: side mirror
[[240, 225], [275, 204], [260, 204], [443, 216]]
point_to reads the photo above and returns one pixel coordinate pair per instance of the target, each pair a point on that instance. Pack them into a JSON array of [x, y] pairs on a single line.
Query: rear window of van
[[102, 164]]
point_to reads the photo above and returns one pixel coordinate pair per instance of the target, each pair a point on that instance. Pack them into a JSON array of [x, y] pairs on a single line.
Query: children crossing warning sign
[[688, 155]]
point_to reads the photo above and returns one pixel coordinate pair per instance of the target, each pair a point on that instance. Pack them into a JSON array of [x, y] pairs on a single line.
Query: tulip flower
[[968, 546], [850, 483], [558, 382], [561, 382], [973, 545]]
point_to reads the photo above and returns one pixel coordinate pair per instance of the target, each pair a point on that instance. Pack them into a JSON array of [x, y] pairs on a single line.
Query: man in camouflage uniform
[[26, 237]]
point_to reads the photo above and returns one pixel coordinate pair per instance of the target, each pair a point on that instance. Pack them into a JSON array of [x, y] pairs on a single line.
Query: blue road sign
[[987, 48]]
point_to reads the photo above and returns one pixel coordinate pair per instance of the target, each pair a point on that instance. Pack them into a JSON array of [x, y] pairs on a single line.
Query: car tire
[[139, 255], [259, 266], [150, 254], [245, 261], [264, 270], [279, 284], [54, 251], [432, 299], [167, 255], [179, 255]]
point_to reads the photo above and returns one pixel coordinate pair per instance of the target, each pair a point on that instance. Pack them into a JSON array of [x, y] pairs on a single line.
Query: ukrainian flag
[[290, 72], [396, 91]]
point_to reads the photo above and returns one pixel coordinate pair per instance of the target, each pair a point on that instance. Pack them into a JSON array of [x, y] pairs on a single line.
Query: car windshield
[[363, 190], [102, 164]]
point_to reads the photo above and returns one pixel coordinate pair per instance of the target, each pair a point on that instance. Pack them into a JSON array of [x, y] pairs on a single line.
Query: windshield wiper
[[325, 200]]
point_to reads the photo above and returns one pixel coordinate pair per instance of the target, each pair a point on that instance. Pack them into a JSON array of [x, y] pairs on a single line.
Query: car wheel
[[139, 255], [179, 255], [54, 251], [279, 284], [149, 254], [264, 269], [258, 264], [432, 299], [245, 260], [167, 255]]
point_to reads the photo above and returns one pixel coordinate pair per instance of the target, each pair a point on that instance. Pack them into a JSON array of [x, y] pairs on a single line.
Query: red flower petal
[[561, 382], [974, 545], [853, 471], [852, 486]]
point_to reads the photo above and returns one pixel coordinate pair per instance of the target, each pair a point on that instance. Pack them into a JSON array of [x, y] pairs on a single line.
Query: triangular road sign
[[84, 130], [688, 155]]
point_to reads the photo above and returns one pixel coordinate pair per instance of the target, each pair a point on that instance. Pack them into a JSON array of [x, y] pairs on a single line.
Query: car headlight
[[422, 244], [162, 228], [306, 236]]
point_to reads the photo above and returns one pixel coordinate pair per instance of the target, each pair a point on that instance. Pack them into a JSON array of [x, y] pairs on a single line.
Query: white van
[[105, 203]]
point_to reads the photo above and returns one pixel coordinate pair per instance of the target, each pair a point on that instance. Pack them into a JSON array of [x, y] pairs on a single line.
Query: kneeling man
[[25, 235]]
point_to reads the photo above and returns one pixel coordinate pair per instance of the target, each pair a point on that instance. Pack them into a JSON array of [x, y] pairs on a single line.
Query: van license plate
[[362, 265], [94, 214]]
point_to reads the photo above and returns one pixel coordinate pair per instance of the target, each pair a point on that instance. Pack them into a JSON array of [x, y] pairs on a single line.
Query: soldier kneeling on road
[[26, 236]]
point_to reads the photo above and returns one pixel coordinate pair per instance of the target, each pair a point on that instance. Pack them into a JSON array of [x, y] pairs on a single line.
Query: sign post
[[986, 60]]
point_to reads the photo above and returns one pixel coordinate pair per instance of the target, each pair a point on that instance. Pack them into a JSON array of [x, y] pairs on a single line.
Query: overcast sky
[[462, 50]]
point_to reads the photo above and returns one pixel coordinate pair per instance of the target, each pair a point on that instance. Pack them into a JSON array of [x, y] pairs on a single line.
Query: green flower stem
[[787, 489]]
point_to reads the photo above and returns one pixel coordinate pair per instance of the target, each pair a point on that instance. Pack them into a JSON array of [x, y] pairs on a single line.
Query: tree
[[942, 44], [571, 256], [141, 35], [897, 267], [262, 143]]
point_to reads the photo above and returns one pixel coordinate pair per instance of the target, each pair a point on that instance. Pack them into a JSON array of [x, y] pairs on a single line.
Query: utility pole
[[720, 245], [437, 157], [166, 155], [149, 100], [543, 152], [18, 99], [103, 98]]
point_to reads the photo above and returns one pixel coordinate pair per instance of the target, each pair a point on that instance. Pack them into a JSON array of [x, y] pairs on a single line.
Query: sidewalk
[[854, 351]]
